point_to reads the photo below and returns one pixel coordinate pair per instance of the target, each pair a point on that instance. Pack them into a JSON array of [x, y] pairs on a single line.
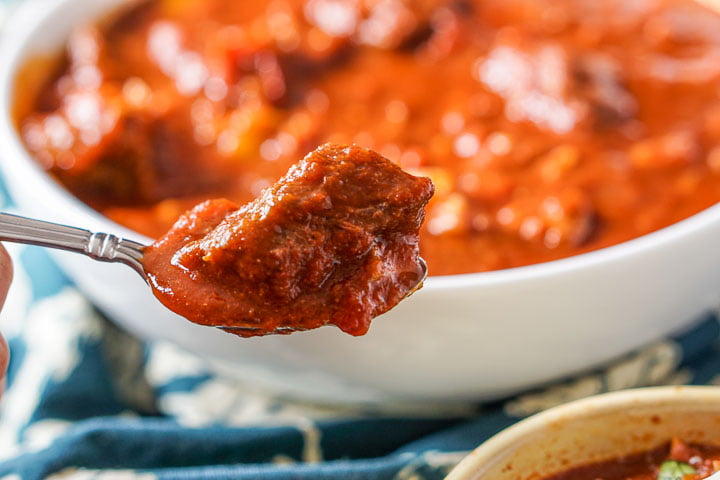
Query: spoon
[[103, 247]]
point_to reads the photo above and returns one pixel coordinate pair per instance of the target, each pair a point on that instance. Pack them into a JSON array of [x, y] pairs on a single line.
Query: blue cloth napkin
[[86, 400]]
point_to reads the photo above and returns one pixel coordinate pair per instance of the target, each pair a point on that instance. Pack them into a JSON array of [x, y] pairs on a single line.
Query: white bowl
[[595, 429], [461, 338]]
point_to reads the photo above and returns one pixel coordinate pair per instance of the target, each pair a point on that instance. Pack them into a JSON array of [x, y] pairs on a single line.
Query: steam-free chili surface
[[677, 461], [335, 240], [548, 128]]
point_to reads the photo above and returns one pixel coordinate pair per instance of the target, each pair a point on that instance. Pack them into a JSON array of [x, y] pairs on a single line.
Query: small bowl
[[460, 339], [595, 429]]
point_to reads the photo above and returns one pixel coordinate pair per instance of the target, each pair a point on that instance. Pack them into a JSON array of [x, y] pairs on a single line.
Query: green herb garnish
[[672, 470]]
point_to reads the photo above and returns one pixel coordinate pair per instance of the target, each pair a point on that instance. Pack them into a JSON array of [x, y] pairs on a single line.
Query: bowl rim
[[594, 405], [21, 27]]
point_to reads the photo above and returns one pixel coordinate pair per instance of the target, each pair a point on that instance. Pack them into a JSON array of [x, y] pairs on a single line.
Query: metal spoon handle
[[99, 246]]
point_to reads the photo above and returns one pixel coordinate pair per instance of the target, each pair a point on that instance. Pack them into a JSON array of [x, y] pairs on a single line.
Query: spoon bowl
[[105, 247]]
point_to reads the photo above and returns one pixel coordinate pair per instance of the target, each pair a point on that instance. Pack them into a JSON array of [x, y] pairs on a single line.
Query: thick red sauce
[[549, 128], [697, 462], [334, 241]]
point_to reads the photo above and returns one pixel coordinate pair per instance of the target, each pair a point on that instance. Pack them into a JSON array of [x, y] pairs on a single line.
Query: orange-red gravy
[[548, 128]]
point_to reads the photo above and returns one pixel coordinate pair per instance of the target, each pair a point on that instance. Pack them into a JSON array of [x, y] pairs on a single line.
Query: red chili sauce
[[335, 241], [678, 461], [549, 128]]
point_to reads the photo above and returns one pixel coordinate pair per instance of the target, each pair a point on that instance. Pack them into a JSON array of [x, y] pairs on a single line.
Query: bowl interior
[[41, 28]]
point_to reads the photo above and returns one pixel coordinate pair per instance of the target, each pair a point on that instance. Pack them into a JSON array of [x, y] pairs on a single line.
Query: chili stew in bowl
[[549, 128]]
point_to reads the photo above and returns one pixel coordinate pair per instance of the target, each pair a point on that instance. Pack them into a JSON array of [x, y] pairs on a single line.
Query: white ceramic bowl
[[461, 338], [593, 430]]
